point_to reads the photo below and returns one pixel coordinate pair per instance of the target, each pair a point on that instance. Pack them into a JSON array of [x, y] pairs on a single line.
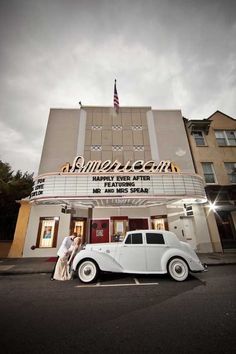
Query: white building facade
[[103, 173]]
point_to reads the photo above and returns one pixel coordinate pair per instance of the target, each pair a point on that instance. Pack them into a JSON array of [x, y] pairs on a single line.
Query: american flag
[[116, 99]]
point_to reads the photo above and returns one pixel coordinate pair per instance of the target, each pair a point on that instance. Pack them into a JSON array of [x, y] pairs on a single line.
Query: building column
[[213, 230], [90, 217], [16, 250], [152, 136], [81, 133]]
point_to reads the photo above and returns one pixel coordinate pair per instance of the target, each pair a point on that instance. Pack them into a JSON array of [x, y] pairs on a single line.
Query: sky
[[167, 54]]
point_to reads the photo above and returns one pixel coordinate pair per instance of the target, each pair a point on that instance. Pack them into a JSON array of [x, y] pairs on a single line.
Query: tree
[[13, 187]]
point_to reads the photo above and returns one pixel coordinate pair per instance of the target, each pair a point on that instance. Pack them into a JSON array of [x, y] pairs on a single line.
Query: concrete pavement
[[212, 259], [13, 266]]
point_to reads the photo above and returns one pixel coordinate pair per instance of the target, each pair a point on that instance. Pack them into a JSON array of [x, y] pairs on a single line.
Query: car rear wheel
[[87, 271], [178, 269]]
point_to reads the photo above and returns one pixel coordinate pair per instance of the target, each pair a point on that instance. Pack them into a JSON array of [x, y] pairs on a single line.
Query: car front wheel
[[178, 269], [87, 271]]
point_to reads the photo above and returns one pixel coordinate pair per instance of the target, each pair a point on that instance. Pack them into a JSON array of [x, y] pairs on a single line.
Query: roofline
[[121, 107], [83, 106], [221, 113], [209, 118]]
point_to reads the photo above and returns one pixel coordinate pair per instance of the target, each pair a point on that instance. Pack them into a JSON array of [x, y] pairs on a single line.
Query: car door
[[155, 248], [132, 254]]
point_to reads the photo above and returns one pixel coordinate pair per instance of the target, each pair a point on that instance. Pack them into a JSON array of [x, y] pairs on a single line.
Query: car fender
[[171, 253], [104, 261]]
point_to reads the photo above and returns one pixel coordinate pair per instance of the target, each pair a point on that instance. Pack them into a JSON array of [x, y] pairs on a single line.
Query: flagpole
[[116, 99]]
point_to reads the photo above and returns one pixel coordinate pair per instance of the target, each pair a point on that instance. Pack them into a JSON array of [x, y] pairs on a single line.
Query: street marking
[[114, 285], [136, 281]]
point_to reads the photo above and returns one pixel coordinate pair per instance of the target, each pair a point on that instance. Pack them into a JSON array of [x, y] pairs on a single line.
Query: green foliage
[[13, 187]]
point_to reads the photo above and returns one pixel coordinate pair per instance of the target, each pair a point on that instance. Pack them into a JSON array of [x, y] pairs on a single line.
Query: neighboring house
[[103, 173], [213, 146]]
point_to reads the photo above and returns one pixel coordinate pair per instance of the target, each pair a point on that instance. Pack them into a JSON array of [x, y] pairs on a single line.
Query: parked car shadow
[[122, 279]]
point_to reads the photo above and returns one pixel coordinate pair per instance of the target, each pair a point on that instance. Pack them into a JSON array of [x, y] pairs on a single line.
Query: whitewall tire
[[178, 269], [87, 271]]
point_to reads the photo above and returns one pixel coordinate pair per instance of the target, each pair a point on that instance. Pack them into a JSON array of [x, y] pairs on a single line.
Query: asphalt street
[[119, 314]]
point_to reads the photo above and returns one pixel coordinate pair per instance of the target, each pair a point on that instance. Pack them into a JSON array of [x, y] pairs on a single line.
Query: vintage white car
[[141, 252]]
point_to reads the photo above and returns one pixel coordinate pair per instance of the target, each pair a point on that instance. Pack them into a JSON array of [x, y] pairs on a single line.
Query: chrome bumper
[[205, 267]]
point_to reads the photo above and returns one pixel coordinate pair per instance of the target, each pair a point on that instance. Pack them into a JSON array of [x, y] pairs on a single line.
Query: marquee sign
[[97, 179], [77, 186], [139, 166]]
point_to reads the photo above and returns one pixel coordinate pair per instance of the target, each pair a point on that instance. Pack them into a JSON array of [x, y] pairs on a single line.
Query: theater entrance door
[[99, 231]]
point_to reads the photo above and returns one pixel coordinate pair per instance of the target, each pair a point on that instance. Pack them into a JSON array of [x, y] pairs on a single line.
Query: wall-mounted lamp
[[212, 206]]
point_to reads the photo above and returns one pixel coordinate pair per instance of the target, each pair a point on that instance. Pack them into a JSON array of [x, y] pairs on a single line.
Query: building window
[[219, 196], [208, 172], [47, 232], [226, 137], [199, 138], [231, 171]]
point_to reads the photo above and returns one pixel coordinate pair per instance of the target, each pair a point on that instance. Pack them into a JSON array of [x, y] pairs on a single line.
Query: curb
[[24, 273], [220, 264]]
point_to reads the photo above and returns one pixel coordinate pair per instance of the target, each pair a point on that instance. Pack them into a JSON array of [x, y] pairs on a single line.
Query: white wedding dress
[[63, 269]]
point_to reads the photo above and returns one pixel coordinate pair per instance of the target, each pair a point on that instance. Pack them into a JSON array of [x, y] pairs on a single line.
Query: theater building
[[103, 173]]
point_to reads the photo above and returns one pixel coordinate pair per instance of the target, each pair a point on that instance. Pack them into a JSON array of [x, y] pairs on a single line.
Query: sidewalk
[[212, 259], [17, 266], [13, 266]]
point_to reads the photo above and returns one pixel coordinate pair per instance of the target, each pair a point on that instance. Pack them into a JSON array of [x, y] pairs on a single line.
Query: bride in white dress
[[62, 270]]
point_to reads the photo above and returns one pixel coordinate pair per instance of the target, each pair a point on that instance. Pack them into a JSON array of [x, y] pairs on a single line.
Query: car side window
[[134, 239], [155, 238]]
